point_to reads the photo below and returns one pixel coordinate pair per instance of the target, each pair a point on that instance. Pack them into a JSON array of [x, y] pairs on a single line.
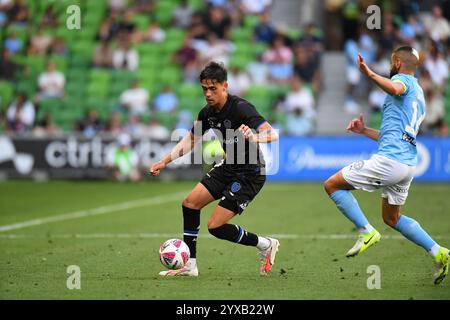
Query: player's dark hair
[[215, 72]]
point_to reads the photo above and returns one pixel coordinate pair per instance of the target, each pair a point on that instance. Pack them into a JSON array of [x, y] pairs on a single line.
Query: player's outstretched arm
[[357, 125], [183, 147], [265, 133], [394, 88]]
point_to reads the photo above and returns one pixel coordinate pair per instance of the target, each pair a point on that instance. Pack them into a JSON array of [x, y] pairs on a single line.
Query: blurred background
[[85, 102]]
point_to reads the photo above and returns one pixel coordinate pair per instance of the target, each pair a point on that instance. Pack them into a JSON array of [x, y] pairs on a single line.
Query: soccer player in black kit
[[236, 180]]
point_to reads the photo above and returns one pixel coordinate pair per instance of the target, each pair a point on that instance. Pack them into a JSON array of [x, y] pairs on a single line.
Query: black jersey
[[240, 154]]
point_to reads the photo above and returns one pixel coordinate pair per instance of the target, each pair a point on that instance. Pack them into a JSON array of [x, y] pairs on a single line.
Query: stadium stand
[[34, 33]]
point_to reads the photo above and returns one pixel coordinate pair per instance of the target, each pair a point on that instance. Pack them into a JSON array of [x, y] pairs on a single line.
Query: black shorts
[[235, 187]]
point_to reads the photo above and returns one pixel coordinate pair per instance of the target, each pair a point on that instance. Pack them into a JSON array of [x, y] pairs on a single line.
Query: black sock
[[191, 225], [235, 233]]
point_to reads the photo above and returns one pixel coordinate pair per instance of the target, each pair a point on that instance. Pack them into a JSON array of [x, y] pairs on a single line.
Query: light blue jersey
[[402, 116]]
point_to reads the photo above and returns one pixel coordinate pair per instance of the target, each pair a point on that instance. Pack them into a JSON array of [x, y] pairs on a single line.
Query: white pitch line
[[178, 235], [97, 211]]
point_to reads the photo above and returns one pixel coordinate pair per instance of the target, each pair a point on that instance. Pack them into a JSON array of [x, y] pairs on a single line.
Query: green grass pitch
[[113, 232]]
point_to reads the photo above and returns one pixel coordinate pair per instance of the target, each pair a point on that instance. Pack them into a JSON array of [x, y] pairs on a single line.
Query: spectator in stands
[[114, 124], [109, 27], [197, 28], [166, 101], [117, 6], [434, 120], [184, 120], [135, 99], [51, 83], [216, 49], [255, 6], [122, 161], [58, 47], [437, 67], [410, 30], [5, 6], [126, 27], [21, 114], [157, 131], [299, 123], [19, 14], [154, 33], [13, 43], [264, 31], [279, 58], [306, 69], [353, 75], [46, 127], [376, 99], [103, 55], [217, 22], [89, 125], [181, 15], [134, 127], [49, 19], [190, 72], [238, 81], [299, 97], [40, 43], [312, 42], [8, 67], [143, 6], [258, 71], [437, 26], [125, 57], [186, 54], [389, 36]]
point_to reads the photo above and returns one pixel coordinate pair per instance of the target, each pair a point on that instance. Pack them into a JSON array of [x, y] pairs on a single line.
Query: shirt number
[[413, 127]]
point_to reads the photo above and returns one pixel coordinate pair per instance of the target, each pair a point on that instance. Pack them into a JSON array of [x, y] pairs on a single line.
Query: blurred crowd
[[287, 58], [260, 56], [402, 23]]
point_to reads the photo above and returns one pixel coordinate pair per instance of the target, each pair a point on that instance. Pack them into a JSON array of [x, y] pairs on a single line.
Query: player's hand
[[363, 66], [357, 125], [156, 168], [247, 133]]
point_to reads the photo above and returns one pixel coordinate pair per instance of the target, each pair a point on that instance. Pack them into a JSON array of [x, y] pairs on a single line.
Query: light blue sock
[[412, 230], [348, 205]]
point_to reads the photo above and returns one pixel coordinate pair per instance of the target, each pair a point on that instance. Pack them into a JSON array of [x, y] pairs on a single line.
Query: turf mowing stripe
[[175, 235], [96, 211]]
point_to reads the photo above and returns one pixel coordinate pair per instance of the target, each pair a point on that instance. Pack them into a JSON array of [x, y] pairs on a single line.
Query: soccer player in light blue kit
[[392, 167]]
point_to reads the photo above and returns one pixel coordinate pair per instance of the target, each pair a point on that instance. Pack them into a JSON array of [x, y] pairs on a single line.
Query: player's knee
[[213, 224], [191, 204], [328, 185], [391, 221]]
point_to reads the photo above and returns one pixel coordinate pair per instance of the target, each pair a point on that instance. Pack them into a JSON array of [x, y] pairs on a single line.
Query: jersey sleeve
[[201, 125], [403, 80], [251, 116]]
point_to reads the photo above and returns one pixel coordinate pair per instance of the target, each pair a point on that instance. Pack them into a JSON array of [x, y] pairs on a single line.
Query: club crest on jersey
[[235, 187], [227, 124], [212, 122], [358, 165]]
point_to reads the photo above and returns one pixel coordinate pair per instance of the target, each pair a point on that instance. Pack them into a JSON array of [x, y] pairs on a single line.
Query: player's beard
[[392, 72]]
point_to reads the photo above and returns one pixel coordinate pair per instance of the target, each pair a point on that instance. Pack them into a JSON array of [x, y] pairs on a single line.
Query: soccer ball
[[174, 253]]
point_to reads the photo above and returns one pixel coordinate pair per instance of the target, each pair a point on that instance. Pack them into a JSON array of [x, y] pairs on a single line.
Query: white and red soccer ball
[[174, 254]]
